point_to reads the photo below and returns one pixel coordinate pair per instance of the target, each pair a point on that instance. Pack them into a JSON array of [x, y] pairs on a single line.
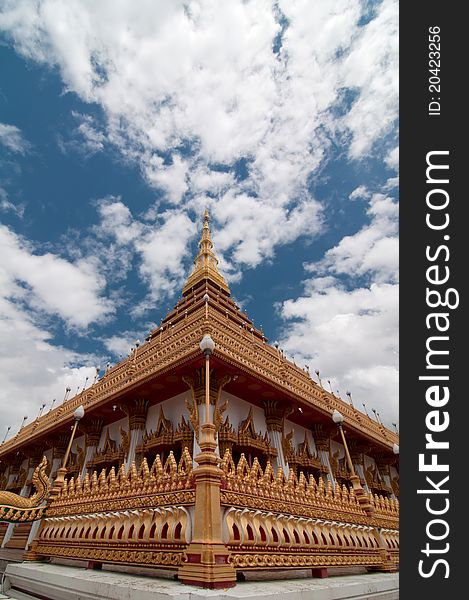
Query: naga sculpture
[[15, 508]]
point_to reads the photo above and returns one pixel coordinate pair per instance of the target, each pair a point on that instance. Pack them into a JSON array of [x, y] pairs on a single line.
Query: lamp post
[[207, 345], [362, 497], [61, 472], [207, 557]]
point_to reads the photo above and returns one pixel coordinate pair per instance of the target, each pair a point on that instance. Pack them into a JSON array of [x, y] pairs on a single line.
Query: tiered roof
[[173, 348]]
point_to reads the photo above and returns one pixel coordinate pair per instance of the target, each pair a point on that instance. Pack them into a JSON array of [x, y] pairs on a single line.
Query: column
[[93, 430], [207, 557], [274, 420], [322, 441], [201, 416], [136, 412]]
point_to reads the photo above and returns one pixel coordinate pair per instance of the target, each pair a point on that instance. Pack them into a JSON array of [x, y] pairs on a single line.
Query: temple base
[[58, 582], [207, 566], [387, 566]]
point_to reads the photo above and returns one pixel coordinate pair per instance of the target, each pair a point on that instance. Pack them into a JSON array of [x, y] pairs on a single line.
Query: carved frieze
[[245, 439], [166, 436], [263, 489], [111, 453], [375, 480], [300, 458]]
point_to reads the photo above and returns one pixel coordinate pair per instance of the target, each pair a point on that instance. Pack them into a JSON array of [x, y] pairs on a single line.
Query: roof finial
[[205, 263]]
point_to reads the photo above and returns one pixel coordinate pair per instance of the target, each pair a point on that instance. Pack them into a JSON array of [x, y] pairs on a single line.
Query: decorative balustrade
[[140, 517], [148, 537], [146, 487], [271, 521]]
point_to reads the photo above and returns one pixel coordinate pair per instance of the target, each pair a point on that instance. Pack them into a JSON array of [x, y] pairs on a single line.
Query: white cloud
[[161, 245], [203, 180], [117, 221], [349, 331], [193, 93], [120, 345], [371, 68], [360, 193], [253, 229], [171, 178], [351, 337], [163, 250], [91, 139], [8, 206], [202, 76], [49, 283], [12, 139], [33, 370], [392, 159], [374, 250]]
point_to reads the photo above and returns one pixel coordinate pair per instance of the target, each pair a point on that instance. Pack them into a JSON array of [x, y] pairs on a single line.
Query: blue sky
[[120, 123]]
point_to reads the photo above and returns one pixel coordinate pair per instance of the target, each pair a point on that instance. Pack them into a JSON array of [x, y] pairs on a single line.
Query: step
[[19, 537]]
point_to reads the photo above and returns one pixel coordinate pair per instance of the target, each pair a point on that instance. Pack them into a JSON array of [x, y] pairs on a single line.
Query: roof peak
[[205, 263]]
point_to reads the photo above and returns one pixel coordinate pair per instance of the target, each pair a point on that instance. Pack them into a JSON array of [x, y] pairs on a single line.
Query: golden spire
[[205, 263]]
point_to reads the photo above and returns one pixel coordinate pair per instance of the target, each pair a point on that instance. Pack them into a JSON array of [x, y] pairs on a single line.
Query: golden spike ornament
[[206, 263]]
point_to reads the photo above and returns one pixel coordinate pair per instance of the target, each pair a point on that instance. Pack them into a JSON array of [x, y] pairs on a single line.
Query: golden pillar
[[207, 558]]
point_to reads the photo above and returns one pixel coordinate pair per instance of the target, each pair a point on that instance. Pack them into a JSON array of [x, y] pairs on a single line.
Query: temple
[[205, 452]]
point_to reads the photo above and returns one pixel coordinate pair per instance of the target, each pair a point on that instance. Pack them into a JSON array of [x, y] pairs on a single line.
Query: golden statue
[[11, 504], [395, 485], [334, 460]]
